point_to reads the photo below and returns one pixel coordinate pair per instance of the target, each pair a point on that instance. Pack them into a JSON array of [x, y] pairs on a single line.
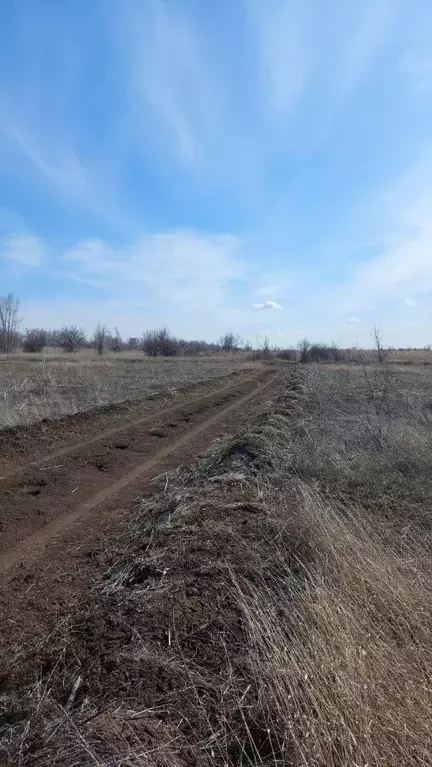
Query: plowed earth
[[66, 492]]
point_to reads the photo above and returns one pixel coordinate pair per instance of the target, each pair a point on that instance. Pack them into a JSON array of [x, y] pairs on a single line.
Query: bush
[[309, 352], [70, 338], [34, 340], [115, 342], [230, 342], [303, 346], [289, 355], [159, 343], [321, 353]]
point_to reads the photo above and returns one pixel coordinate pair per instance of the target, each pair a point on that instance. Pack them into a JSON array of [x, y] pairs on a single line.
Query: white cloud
[[410, 302], [185, 268], [24, 248], [267, 305], [352, 321]]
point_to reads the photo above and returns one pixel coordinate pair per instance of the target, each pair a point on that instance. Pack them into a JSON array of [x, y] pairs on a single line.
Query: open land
[[236, 573], [53, 384]]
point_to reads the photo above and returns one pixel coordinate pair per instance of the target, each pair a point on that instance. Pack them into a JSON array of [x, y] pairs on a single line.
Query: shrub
[[70, 338], [303, 346], [115, 341], [289, 355], [34, 340], [159, 343], [230, 342], [321, 353]]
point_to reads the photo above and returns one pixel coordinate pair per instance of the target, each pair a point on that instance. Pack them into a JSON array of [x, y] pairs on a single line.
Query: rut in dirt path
[[43, 501], [33, 444]]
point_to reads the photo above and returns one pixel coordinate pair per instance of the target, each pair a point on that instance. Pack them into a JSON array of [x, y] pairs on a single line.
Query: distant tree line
[[160, 342]]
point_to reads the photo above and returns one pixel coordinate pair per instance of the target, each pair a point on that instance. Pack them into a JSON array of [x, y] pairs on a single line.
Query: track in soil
[[46, 496]]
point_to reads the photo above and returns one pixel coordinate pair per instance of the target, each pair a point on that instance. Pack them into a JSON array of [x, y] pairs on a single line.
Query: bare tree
[[70, 338], [378, 338], [99, 338], [9, 321], [133, 343], [35, 340], [264, 347], [230, 342], [116, 343], [303, 346]]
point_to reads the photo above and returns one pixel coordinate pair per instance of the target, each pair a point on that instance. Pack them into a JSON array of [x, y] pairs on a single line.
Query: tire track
[[31, 545], [104, 434]]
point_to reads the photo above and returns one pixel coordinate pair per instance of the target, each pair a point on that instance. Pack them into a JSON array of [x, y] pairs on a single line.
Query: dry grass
[[278, 601], [50, 385], [349, 676]]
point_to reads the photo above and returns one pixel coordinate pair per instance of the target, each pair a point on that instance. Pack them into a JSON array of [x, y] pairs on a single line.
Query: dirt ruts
[[43, 495]]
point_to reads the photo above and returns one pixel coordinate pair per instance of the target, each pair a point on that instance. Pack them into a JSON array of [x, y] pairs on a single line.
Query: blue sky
[[257, 165]]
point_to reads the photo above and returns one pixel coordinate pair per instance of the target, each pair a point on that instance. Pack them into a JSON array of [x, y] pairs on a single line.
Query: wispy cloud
[[281, 54], [410, 302], [24, 248], [403, 264], [187, 269], [275, 283], [372, 28], [166, 68]]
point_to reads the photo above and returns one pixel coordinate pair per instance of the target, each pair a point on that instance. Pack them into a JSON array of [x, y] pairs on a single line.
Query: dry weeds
[[51, 385], [277, 609]]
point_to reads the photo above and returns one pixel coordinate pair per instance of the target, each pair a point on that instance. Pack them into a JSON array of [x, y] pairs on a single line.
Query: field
[[237, 574], [52, 384]]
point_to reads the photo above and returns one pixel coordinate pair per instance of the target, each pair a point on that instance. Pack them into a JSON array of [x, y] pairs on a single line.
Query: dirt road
[[62, 511], [42, 495]]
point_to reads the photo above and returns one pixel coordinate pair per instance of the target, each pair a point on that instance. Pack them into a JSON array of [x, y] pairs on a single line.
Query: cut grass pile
[[275, 605]]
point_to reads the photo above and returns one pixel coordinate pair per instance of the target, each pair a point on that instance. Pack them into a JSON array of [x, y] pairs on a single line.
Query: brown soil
[[43, 494], [62, 513]]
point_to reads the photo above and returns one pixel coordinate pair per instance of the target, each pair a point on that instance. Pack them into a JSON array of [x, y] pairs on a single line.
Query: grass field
[[273, 604], [53, 384]]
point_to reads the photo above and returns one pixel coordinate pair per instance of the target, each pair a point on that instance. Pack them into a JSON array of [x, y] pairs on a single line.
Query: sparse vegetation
[[271, 605], [54, 384], [275, 605]]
